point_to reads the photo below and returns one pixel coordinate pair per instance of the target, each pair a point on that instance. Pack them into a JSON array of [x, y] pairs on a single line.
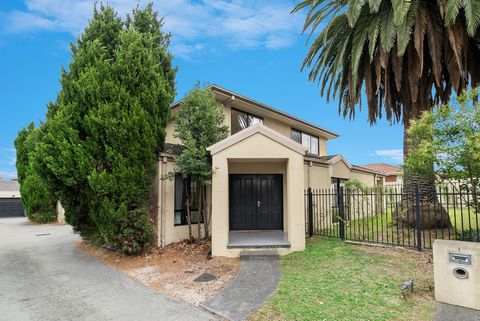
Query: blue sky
[[253, 47]]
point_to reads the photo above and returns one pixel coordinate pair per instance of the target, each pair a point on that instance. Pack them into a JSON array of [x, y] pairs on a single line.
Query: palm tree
[[407, 55]]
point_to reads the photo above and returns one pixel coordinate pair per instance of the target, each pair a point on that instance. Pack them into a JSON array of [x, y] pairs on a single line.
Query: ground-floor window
[[186, 188]]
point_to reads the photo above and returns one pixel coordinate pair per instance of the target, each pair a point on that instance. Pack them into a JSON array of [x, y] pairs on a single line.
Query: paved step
[[254, 284], [284, 245], [259, 255], [447, 312]]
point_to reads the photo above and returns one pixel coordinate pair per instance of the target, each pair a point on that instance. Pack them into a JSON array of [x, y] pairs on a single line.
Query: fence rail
[[394, 215]]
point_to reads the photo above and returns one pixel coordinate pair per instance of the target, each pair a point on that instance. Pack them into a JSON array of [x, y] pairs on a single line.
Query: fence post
[[310, 212], [341, 209], [418, 218]]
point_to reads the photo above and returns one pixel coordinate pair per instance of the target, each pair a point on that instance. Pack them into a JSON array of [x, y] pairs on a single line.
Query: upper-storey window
[[241, 120], [309, 141]]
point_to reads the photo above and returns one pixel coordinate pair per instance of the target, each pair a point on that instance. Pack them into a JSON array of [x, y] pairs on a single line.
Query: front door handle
[[259, 203]]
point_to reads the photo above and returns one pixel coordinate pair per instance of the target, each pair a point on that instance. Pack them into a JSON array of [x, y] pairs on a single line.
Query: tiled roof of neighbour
[[383, 168], [8, 186]]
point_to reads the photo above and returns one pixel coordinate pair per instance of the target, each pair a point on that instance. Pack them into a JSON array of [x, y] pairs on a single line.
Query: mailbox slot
[[459, 258]]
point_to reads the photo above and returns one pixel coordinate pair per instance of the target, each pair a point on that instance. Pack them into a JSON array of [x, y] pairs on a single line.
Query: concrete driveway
[[43, 277]]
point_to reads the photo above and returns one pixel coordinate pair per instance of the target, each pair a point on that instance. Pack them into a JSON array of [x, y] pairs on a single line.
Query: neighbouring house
[[10, 200], [393, 174], [262, 169]]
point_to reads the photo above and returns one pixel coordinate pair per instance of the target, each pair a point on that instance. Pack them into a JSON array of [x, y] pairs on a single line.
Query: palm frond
[[374, 27], [435, 44], [354, 10], [405, 28], [419, 32], [374, 5], [472, 15], [451, 11], [405, 54], [388, 30], [400, 10]]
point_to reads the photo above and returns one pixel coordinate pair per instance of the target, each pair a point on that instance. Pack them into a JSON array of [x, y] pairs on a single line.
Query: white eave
[[257, 129]]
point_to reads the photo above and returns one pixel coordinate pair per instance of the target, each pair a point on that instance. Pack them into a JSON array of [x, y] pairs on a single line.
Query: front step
[[259, 256]]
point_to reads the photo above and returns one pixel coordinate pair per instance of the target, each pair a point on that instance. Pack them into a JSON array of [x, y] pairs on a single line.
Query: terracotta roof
[[384, 168]]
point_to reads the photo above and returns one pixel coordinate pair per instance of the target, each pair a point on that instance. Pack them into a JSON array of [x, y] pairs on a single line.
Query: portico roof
[[257, 129]]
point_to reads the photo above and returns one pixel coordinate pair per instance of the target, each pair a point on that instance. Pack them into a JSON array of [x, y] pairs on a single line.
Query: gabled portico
[[257, 188]]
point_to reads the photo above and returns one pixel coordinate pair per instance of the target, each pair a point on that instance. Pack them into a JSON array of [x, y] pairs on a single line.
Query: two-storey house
[[256, 199]]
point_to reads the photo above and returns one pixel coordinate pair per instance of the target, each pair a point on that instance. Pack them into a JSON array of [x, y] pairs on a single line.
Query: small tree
[[449, 137], [199, 124], [38, 202]]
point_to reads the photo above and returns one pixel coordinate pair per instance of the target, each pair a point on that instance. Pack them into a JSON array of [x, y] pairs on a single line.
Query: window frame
[[246, 113], [301, 140], [183, 209]]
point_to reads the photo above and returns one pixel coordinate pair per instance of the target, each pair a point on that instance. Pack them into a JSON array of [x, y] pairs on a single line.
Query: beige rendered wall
[[180, 232], [169, 131], [257, 148], [60, 213], [278, 126], [450, 289], [340, 170], [369, 179], [282, 128], [319, 176]]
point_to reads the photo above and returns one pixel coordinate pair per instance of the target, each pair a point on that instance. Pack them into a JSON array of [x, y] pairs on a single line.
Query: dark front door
[[256, 202]]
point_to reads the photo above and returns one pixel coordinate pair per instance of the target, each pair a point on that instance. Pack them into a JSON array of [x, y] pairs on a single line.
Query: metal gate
[[391, 215]]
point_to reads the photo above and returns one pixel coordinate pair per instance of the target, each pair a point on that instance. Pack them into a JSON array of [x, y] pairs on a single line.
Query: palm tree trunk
[[432, 213]]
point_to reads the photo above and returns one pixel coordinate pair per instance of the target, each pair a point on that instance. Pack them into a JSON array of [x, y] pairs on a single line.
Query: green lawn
[[335, 281], [381, 228]]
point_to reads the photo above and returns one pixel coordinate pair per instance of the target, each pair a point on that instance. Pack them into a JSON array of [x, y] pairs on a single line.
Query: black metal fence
[[394, 216]]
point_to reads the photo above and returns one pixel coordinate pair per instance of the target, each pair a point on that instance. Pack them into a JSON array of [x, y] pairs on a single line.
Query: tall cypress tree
[[66, 154], [107, 125], [38, 201]]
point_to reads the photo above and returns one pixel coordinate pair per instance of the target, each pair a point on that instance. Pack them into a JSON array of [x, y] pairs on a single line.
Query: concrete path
[[447, 312], [43, 277], [254, 284]]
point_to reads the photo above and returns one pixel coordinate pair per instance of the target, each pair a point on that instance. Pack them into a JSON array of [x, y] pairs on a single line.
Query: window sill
[[186, 224]]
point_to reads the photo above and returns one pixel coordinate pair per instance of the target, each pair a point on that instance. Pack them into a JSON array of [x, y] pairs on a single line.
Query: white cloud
[[395, 155], [7, 175], [21, 21], [7, 163], [237, 24]]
